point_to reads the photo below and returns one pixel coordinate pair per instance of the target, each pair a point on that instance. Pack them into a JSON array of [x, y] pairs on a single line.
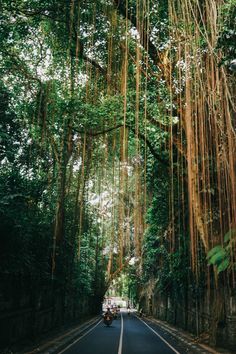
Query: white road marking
[[174, 350], [77, 340], [121, 335]]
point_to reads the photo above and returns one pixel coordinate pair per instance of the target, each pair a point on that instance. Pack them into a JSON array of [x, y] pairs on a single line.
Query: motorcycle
[[107, 319]]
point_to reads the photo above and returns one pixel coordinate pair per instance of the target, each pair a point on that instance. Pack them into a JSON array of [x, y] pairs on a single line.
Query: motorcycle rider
[[128, 308], [108, 312], [108, 317]]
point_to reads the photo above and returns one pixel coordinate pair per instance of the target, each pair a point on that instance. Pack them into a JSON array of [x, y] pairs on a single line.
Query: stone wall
[[197, 317], [29, 314]]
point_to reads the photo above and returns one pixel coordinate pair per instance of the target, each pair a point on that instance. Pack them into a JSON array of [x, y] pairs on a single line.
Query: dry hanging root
[[207, 124]]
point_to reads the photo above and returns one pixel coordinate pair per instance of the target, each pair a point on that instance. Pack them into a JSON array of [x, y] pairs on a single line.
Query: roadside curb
[[57, 343], [186, 338]]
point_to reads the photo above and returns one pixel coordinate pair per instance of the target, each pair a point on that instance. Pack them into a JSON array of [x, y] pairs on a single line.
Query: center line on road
[[77, 340], [174, 350], [121, 336]]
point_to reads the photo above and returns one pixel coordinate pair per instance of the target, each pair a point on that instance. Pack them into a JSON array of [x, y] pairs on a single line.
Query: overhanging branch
[[140, 135], [102, 132]]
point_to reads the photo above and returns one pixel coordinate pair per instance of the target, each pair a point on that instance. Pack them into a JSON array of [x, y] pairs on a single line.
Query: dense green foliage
[[96, 164], [227, 34]]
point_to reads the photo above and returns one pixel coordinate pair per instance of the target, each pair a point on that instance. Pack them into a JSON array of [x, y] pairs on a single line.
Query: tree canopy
[[117, 143]]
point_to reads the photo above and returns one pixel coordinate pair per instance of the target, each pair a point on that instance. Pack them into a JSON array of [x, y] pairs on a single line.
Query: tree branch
[[43, 13], [92, 133], [117, 272], [95, 64], [20, 65], [141, 136]]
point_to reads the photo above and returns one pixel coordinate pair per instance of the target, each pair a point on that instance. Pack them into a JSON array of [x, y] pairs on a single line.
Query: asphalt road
[[127, 335]]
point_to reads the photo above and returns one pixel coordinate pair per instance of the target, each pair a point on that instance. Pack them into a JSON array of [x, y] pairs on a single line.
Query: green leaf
[[223, 265], [217, 257], [213, 251], [229, 235]]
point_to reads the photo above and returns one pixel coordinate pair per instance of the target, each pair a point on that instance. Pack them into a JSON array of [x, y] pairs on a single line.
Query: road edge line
[[78, 339], [169, 345], [121, 335]]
